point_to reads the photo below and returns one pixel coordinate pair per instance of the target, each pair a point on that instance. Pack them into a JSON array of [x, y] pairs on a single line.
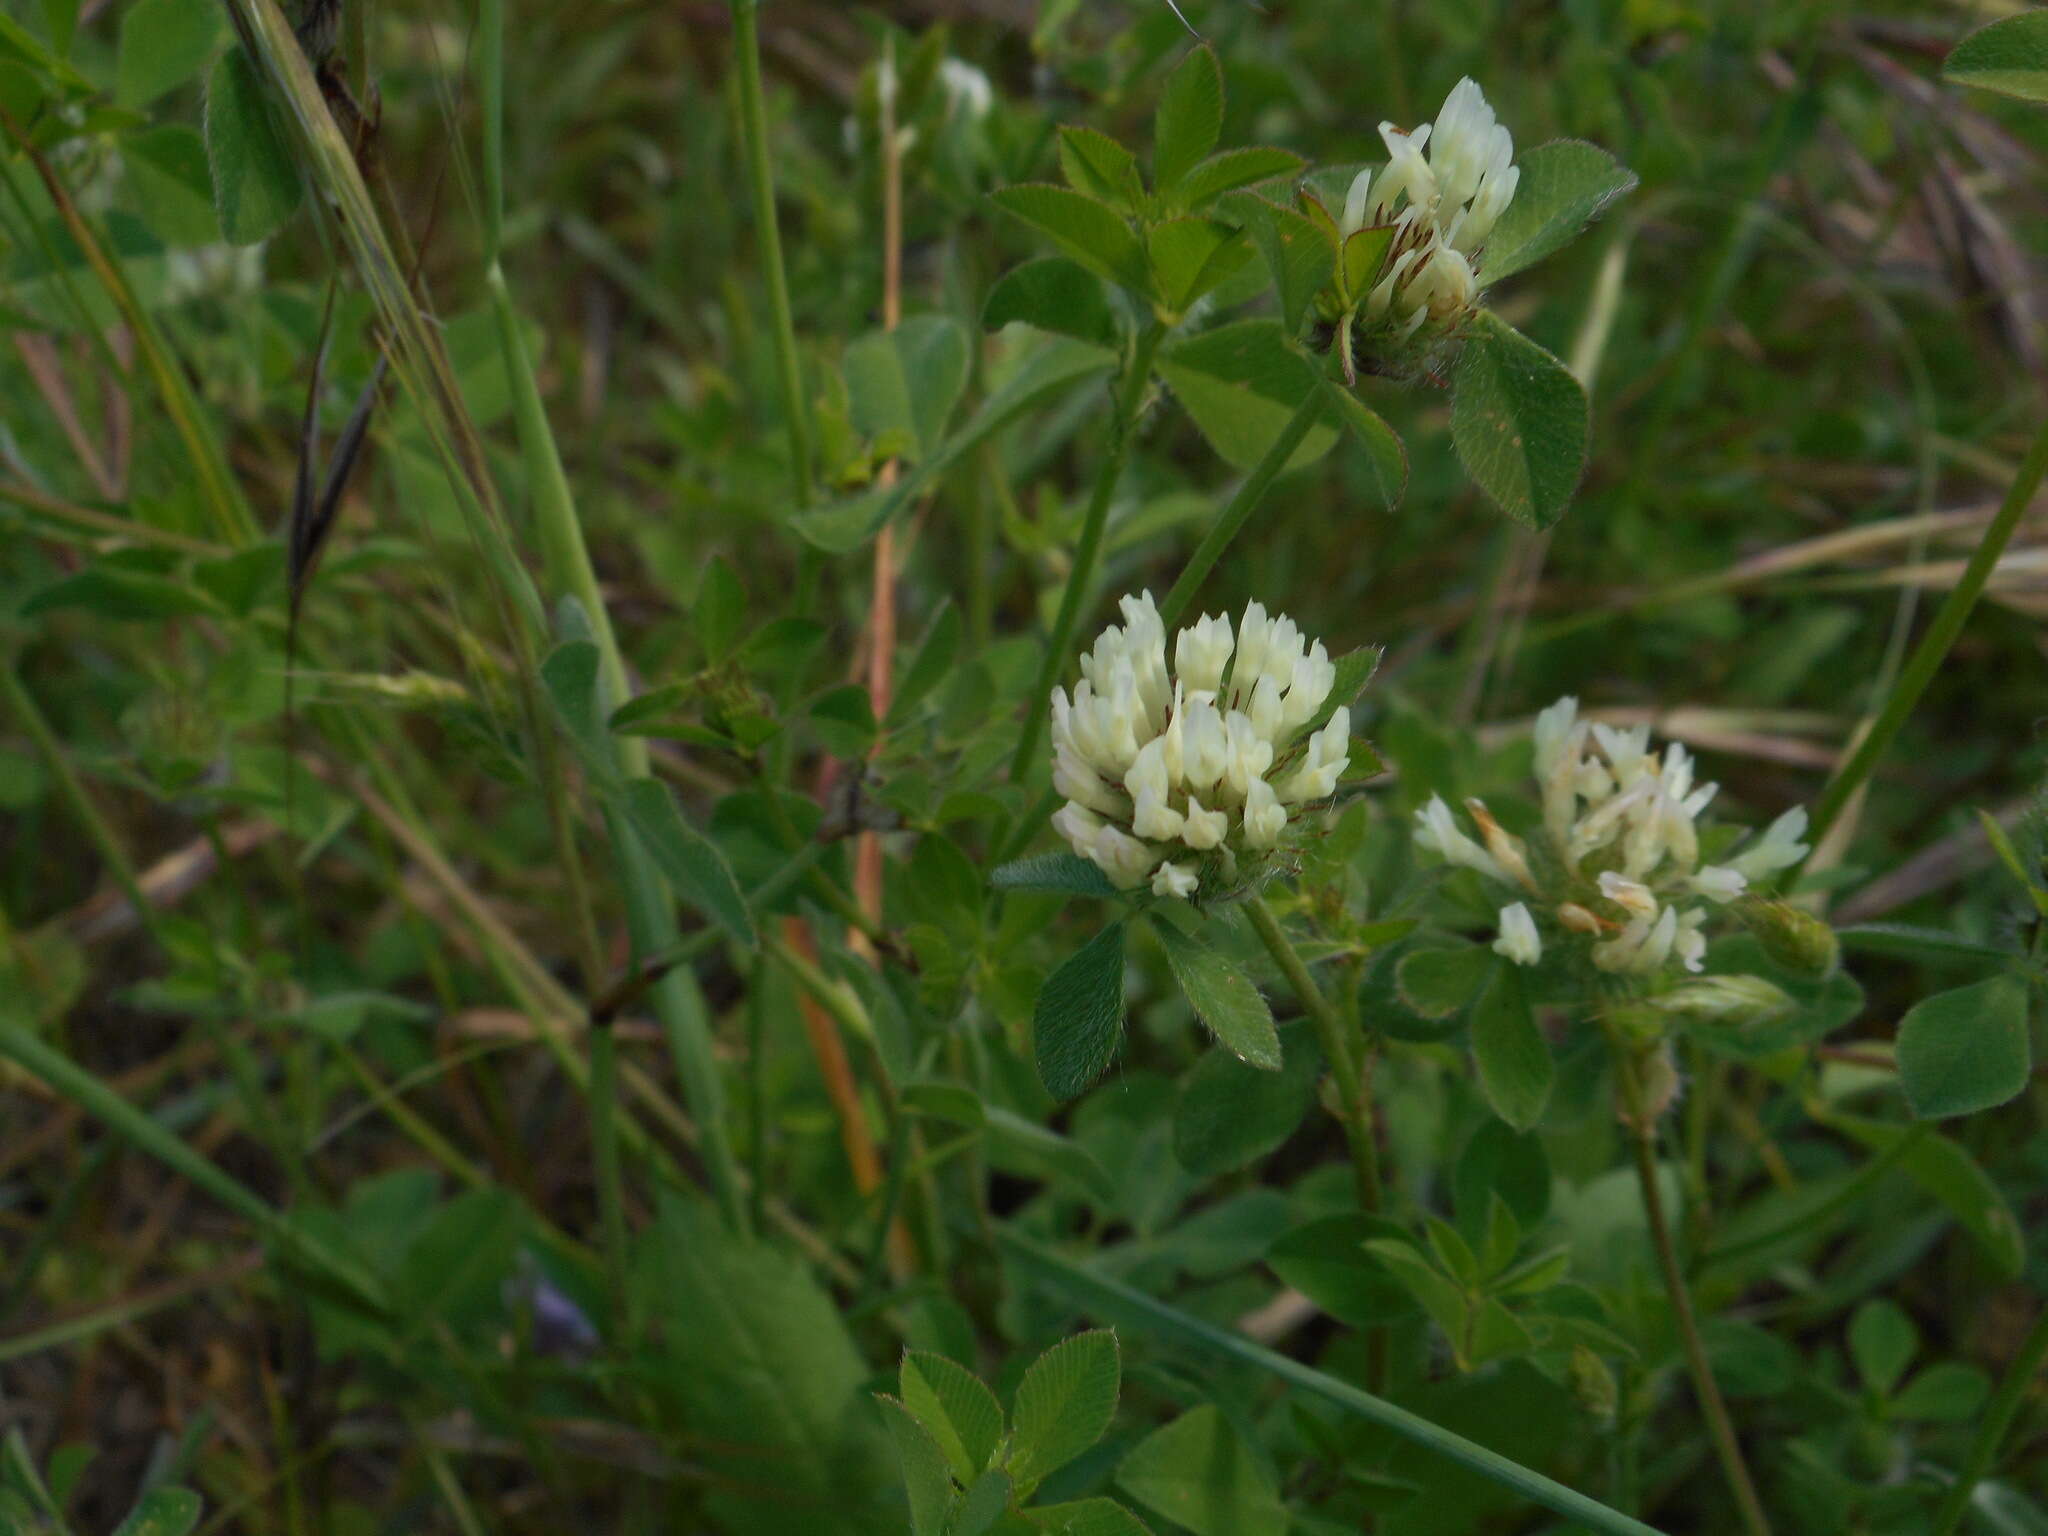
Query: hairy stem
[[1338, 1050]]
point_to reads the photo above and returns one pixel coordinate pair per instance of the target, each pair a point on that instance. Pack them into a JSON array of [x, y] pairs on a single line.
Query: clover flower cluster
[[1442, 207], [1620, 853], [1173, 775]]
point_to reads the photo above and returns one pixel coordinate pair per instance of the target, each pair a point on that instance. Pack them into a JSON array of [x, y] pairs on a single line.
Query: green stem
[[1117, 1302], [1719, 1425], [1338, 1050], [1941, 635], [746, 47], [217, 487], [1234, 516], [64, 1076], [74, 792], [611, 1191], [1130, 396], [2005, 1406], [650, 911]]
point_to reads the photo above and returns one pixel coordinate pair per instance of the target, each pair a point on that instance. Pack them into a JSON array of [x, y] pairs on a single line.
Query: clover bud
[[1732, 1002], [1791, 936]]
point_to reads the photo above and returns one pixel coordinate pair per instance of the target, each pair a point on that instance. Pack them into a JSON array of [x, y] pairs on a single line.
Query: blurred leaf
[[1054, 294], [721, 610], [1947, 1172], [1518, 419], [1022, 1146], [1197, 1473], [1441, 982], [1563, 185], [1967, 1049], [1242, 384], [930, 1490], [1515, 1069], [938, 653], [1064, 1403], [1228, 1114], [1086, 1517], [1882, 1341], [1080, 1015], [1067, 874], [1055, 366], [2010, 56], [173, 183], [1223, 998], [1328, 1262], [1948, 1392], [123, 588], [255, 180], [570, 674], [1749, 1361], [163, 1512], [164, 43], [845, 720], [1189, 119], [454, 1272], [1500, 1162], [1913, 943], [1091, 232], [954, 1103], [749, 1353], [908, 379], [691, 861]]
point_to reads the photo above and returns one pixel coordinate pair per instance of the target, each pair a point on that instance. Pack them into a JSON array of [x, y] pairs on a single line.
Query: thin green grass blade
[[1119, 1302]]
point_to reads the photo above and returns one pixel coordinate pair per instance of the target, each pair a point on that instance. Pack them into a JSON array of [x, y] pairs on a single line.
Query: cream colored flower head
[[1183, 777], [1443, 189], [1620, 860]]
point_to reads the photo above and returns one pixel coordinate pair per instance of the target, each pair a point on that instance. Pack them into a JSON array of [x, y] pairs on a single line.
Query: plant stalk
[[1940, 637], [1242, 504], [1335, 1037], [1130, 398], [746, 48], [1642, 1132], [1114, 1301], [1991, 1429]]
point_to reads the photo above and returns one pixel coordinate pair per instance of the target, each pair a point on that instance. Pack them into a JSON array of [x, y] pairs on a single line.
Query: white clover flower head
[[967, 89], [1443, 189], [1619, 860], [1519, 941], [1190, 776]]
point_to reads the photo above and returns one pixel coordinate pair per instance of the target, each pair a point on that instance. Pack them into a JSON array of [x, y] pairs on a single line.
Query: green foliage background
[[446, 1141]]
